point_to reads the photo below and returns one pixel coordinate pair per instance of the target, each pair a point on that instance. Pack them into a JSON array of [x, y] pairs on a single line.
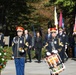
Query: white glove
[[55, 51], [48, 53], [22, 51], [65, 46]]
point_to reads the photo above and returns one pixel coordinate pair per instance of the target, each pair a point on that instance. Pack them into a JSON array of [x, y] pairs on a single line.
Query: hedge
[[9, 53]]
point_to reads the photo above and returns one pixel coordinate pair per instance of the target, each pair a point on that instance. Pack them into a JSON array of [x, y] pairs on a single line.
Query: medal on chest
[[55, 42], [20, 41]]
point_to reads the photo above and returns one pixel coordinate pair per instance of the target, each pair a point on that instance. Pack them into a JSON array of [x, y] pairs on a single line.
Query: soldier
[[54, 44], [18, 46], [63, 43], [47, 40], [38, 46], [54, 40], [28, 41], [2, 41]]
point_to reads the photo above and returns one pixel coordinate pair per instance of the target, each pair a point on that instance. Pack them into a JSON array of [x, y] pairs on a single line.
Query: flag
[[60, 19], [55, 18], [74, 30], [63, 23]]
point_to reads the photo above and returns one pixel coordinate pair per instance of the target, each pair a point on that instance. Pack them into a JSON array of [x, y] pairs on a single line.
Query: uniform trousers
[[62, 54], [20, 65]]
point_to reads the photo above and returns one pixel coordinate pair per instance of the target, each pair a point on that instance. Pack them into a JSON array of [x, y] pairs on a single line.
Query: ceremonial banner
[[74, 30], [60, 19], [55, 18]]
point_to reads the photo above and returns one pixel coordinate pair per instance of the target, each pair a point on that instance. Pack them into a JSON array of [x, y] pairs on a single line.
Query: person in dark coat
[[2, 40], [63, 42], [48, 39], [38, 46], [74, 36], [28, 40], [18, 46]]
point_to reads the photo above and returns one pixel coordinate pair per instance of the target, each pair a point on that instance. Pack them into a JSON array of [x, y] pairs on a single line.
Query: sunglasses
[[19, 31]]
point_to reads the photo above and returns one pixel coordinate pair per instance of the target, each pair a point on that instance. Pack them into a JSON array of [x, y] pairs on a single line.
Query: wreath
[[3, 59]]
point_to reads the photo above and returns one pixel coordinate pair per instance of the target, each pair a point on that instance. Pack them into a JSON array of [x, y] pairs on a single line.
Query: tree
[[68, 8]]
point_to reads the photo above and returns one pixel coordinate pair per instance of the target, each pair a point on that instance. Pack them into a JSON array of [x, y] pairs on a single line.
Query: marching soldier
[[38, 46], [18, 46], [63, 41], [54, 41], [28, 41], [2, 39]]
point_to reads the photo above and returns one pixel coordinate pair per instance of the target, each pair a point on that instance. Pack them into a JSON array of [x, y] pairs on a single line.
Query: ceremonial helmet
[[53, 29], [19, 28]]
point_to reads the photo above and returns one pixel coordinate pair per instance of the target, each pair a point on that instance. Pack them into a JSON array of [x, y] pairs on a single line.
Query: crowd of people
[[22, 44]]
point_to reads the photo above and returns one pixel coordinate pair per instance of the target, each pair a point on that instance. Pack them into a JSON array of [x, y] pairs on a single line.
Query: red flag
[[74, 30], [60, 19]]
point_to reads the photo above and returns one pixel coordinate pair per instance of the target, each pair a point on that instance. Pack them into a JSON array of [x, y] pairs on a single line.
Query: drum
[[55, 63]]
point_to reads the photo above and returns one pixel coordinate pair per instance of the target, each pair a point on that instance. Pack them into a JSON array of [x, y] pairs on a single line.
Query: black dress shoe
[[39, 61]]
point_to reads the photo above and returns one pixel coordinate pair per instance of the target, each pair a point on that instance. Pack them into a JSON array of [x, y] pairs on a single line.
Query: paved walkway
[[40, 69]]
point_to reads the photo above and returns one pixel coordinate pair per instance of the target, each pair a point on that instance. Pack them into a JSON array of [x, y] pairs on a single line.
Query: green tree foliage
[[15, 12], [68, 8], [34, 12]]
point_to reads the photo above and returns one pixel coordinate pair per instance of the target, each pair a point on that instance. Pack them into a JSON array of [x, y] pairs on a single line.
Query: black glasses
[[19, 31]]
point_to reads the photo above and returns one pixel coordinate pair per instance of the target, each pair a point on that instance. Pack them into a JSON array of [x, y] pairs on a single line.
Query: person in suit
[[38, 46], [48, 39], [74, 36], [28, 40], [18, 46], [2, 40]]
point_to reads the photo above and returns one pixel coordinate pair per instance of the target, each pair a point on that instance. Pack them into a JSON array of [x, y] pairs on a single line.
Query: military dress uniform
[[62, 42], [54, 43], [18, 46]]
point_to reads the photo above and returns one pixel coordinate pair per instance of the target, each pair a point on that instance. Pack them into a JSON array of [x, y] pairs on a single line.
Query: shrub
[[9, 53], [3, 58]]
